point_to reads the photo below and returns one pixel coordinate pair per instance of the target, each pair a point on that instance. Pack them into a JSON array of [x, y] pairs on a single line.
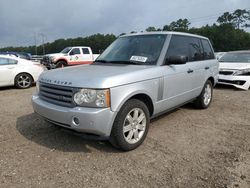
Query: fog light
[[75, 121]]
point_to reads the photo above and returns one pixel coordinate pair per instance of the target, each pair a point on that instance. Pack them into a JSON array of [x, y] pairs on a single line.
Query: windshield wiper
[[127, 62], [101, 61], [119, 62]]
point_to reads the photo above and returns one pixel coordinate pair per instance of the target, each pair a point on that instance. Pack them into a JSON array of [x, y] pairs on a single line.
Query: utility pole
[[43, 41], [35, 43]]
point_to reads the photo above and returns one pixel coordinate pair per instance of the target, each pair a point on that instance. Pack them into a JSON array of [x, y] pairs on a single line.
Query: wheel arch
[[62, 59], [142, 96], [212, 80]]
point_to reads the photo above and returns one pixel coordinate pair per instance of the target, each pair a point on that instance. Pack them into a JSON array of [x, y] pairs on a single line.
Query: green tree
[[150, 29], [239, 18], [179, 25]]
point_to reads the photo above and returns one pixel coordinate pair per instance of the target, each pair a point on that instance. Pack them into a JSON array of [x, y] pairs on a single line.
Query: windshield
[[240, 57], [66, 50], [137, 49]]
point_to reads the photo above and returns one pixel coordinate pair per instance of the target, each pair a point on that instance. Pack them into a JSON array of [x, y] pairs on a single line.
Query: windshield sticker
[[139, 58]]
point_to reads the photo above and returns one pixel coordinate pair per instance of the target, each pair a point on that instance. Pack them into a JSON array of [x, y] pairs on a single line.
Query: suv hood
[[100, 76], [234, 66]]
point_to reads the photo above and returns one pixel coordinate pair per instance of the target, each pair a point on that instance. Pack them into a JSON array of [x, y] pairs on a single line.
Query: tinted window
[[178, 46], [75, 51], [85, 51], [194, 46], [6, 61], [185, 46], [208, 52]]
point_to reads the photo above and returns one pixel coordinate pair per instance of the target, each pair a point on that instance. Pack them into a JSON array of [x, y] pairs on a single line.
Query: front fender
[[120, 94]]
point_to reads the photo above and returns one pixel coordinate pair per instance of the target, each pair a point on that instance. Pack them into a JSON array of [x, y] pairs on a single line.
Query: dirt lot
[[186, 148]]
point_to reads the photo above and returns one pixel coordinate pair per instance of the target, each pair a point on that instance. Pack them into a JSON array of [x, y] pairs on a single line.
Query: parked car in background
[[69, 56], [22, 55], [19, 72], [138, 77], [218, 55], [235, 69]]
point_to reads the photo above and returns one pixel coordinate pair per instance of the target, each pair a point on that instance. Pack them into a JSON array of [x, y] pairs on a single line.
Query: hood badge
[[56, 81]]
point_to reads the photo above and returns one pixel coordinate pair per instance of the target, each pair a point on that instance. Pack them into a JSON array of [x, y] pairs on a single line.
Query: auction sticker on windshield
[[139, 58]]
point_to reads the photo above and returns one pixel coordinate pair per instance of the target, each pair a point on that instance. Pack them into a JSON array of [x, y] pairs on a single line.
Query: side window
[[6, 61], [85, 51], [185, 46], [195, 49], [178, 46], [75, 51], [208, 52], [12, 61]]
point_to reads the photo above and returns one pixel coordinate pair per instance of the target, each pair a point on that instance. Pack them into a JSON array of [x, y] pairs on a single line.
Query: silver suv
[[138, 77]]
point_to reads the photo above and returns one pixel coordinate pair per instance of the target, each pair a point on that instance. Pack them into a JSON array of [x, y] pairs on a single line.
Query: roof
[[9, 56], [164, 33]]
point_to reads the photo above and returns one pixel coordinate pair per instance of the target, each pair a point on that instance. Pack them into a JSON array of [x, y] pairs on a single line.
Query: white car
[[218, 55], [235, 69], [19, 72]]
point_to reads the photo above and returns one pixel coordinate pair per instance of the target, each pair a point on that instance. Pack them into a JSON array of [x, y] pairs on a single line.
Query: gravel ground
[[185, 148]]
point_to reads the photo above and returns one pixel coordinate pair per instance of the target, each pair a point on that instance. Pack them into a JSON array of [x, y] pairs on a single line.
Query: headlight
[[52, 58], [92, 98], [244, 72]]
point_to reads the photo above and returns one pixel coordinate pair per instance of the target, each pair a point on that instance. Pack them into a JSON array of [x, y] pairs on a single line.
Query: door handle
[[190, 71], [206, 68]]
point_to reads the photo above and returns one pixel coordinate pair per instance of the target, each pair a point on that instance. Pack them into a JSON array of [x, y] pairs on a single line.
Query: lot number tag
[[139, 58]]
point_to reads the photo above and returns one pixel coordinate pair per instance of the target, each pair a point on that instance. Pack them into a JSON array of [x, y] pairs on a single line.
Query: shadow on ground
[[36, 129]]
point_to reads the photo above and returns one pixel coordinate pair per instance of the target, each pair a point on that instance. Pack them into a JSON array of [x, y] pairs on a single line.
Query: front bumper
[[96, 121], [241, 82], [48, 65]]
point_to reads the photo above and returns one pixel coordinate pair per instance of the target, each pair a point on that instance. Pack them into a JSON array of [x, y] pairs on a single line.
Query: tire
[[206, 96], [61, 64], [23, 81], [131, 125]]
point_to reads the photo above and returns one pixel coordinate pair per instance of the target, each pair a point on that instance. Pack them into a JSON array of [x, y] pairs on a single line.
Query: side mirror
[[177, 60]]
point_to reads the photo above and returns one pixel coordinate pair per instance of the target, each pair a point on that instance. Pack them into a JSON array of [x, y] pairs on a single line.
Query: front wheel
[[131, 125], [205, 98], [61, 64], [23, 81]]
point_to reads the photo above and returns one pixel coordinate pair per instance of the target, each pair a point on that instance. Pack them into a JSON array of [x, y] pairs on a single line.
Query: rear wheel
[[61, 64], [23, 81], [131, 125], [205, 98]]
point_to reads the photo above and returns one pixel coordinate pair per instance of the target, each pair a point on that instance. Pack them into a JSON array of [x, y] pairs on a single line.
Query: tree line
[[226, 34]]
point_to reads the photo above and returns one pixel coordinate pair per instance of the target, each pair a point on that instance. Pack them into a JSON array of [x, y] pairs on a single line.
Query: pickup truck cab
[[138, 77], [69, 56]]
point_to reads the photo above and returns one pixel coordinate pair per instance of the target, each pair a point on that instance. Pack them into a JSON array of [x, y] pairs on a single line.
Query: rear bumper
[[97, 121], [241, 82]]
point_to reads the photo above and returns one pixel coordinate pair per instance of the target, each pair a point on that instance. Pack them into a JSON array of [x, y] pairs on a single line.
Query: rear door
[[86, 56], [7, 69], [196, 64]]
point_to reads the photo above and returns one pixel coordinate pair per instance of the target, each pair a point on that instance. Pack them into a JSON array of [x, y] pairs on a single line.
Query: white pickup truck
[[76, 55]]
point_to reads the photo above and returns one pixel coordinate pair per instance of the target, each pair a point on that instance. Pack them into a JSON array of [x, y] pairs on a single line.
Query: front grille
[[226, 72], [45, 60], [59, 95]]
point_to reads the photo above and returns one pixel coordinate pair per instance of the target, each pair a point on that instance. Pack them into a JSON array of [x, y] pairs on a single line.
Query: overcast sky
[[21, 19]]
